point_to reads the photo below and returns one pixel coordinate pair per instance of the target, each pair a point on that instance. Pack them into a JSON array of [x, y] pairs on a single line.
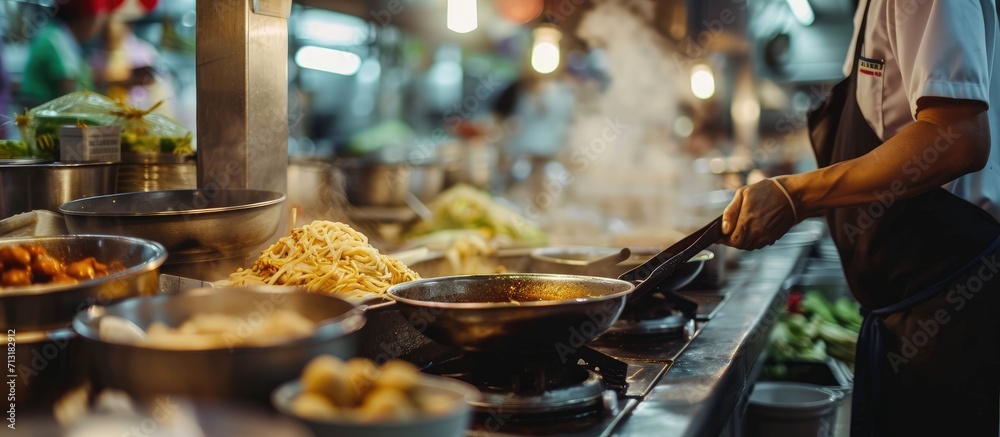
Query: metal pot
[[196, 226], [316, 191], [27, 187], [46, 307], [156, 171], [510, 312], [372, 183], [240, 373]]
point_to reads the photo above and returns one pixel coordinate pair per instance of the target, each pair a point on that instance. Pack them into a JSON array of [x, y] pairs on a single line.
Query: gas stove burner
[[583, 396], [672, 325], [533, 383], [656, 314]]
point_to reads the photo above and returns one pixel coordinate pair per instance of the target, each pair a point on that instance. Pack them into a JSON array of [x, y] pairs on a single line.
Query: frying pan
[[510, 312]]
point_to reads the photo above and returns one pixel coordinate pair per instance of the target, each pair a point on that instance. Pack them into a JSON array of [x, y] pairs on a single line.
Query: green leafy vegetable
[[10, 149]]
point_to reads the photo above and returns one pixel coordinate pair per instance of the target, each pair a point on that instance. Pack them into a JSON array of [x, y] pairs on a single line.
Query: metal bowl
[[368, 183], [571, 260], [31, 186], [44, 307], [194, 225], [681, 277], [239, 373], [454, 424]]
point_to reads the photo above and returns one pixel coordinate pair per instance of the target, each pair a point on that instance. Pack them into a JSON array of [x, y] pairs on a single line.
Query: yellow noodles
[[327, 257]]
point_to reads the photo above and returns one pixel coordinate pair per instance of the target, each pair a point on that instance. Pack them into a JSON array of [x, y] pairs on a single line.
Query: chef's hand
[[758, 215]]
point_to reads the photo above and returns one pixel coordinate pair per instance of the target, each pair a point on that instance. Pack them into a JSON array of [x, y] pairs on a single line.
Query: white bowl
[[454, 424]]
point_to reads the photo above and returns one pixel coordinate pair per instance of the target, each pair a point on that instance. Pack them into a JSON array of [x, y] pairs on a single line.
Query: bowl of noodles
[[215, 344], [325, 257]]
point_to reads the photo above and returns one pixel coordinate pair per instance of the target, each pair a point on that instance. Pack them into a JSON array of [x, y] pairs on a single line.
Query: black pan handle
[[650, 274]]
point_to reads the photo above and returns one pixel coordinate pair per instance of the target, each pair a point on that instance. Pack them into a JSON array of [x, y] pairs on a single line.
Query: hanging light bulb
[[463, 16], [802, 11], [702, 82], [545, 51]]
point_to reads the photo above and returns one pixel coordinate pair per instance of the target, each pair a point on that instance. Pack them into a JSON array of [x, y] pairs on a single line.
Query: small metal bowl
[[237, 373], [194, 225], [454, 424], [571, 260], [52, 306]]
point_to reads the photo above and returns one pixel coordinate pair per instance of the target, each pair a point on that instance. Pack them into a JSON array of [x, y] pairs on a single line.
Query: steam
[[637, 178]]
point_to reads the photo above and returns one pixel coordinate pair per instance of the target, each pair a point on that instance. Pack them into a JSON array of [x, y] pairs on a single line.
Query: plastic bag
[[145, 131], [142, 130], [76, 108]]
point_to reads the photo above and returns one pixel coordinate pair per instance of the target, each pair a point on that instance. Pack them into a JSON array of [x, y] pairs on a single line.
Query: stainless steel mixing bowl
[[45, 307], [26, 187], [194, 225], [239, 373]]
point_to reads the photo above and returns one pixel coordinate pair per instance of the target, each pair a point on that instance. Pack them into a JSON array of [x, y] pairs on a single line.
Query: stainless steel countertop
[[703, 388]]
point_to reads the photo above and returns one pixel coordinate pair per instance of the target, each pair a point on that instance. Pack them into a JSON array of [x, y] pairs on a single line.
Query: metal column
[[242, 85]]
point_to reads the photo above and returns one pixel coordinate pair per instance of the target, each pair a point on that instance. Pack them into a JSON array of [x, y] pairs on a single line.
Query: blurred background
[[604, 121]]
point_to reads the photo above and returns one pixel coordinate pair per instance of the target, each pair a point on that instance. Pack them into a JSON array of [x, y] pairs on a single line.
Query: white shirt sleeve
[[940, 47]]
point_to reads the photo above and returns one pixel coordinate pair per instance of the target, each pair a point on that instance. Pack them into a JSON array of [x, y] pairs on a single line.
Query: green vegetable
[[780, 346], [137, 143], [816, 353], [848, 312], [834, 333], [813, 302], [467, 207], [10, 149]]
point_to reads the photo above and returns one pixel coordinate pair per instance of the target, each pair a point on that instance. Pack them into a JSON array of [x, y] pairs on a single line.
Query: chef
[[909, 183]]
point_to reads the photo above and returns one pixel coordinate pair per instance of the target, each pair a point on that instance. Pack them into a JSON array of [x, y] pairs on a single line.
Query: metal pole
[[242, 86]]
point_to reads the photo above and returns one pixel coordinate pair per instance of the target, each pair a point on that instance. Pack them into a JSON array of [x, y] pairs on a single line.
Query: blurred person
[[908, 180], [56, 65], [126, 65]]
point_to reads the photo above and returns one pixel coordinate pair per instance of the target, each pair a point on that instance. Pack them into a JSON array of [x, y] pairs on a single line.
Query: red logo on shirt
[[871, 67]]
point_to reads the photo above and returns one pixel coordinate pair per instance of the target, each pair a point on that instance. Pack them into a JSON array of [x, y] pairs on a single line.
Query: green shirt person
[[56, 65]]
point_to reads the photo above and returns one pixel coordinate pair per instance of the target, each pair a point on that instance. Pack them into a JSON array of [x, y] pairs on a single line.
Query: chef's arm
[[950, 138]]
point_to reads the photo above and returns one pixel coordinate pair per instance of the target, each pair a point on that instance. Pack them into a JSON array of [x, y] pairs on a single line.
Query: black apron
[[896, 254]]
